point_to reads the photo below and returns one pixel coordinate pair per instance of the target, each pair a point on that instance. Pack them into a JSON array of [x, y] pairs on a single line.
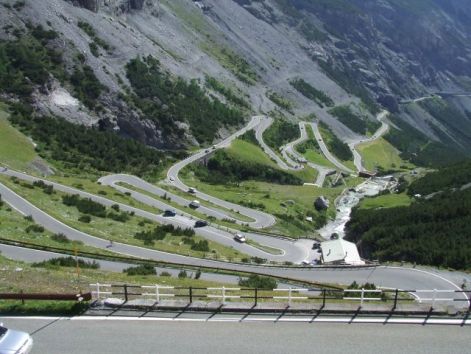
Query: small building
[[366, 174], [340, 252]]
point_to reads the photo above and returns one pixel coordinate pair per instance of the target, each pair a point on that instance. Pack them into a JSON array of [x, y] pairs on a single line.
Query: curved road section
[[357, 159], [290, 251], [289, 150], [259, 130], [325, 150], [262, 219], [403, 278]]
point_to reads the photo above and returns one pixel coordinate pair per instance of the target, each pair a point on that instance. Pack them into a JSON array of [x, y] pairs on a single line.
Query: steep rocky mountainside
[[299, 57]]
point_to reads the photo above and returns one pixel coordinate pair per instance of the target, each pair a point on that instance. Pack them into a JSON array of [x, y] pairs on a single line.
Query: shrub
[[256, 281], [34, 228], [85, 219], [60, 238], [182, 275], [143, 269], [67, 262]]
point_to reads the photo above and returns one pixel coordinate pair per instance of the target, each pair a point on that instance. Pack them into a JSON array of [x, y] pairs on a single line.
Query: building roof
[[340, 250]]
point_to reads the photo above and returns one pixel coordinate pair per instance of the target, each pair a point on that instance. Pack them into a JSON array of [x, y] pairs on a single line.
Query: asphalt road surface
[[292, 251], [326, 151], [74, 336], [357, 159], [262, 219], [289, 150]]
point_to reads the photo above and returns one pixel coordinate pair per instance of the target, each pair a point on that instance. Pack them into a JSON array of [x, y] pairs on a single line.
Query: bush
[[165, 274], [259, 282], [60, 238], [321, 98], [85, 219], [182, 100], [222, 168], [182, 275], [201, 246], [68, 262], [34, 228], [143, 269]]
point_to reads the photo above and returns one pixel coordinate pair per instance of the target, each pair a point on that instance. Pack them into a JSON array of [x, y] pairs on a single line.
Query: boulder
[[321, 203]]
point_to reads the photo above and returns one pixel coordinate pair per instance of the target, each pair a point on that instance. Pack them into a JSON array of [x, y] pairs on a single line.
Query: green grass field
[[386, 201], [109, 229], [277, 199], [64, 279], [380, 153], [246, 151], [16, 150], [314, 155], [13, 227]]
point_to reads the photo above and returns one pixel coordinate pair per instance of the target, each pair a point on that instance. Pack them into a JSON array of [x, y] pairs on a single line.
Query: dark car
[[201, 223], [169, 213], [316, 246]]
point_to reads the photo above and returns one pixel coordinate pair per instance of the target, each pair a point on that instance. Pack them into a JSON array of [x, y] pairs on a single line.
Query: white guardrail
[[159, 292]]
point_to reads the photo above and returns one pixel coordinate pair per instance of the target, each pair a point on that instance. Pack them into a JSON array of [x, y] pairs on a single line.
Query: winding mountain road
[[325, 149], [289, 150], [291, 251], [262, 219], [357, 158]]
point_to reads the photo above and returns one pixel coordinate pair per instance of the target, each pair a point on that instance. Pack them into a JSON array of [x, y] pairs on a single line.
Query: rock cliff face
[[121, 5], [381, 52]]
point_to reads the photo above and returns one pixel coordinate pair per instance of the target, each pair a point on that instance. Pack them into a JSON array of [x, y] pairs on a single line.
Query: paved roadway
[[258, 334], [326, 151], [259, 130], [289, 150], [357, 159], [292, 251], [262, 219], [403, 278], [113, 180]]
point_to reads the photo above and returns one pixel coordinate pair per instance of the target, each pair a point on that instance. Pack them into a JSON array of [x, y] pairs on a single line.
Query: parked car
[[195, 204], [316, 246], [201, 223], [14, 342], [240, 238], [169, 213]]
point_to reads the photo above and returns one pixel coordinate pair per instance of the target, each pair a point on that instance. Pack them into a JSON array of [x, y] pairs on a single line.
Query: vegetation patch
[[381, 156], [445, 179], [225, 167], [86, 148], [232, 97], [418, 148], [280, 133], [334, 144], [164, 99], [16, 150], [67, 262], [433, 232], [307, 90], [281, 101], [361, 125]]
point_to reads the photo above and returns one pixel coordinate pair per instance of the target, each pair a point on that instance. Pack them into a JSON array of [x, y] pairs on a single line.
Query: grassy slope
[[316, 156], [380, 153], [246, 151], [329, 137], [386, 201], [13, 226], [16, 150], [64, 279], [112, 230]]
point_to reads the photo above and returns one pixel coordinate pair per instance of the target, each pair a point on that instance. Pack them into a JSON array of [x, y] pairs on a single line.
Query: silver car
[[14, 342]]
